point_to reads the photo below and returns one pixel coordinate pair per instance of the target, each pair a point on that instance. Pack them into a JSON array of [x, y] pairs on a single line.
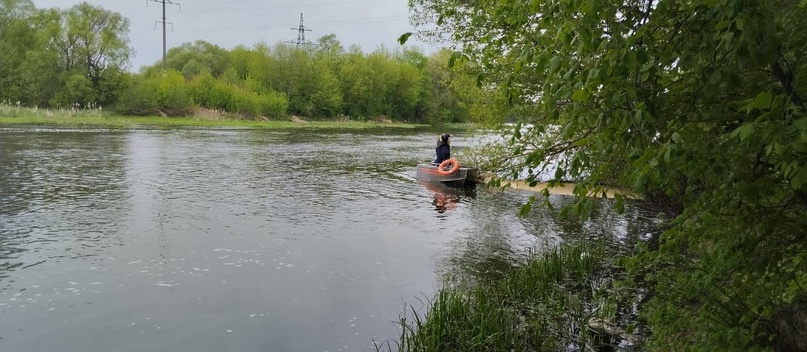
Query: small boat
[[447, 172]]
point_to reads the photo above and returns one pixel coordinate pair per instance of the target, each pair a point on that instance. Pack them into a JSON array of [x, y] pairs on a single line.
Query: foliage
[[62, 57], [216, 94], [140, 98], [545, 305], [14, 115], [59, 58], [699, 107], [323, 82], [160, 94]]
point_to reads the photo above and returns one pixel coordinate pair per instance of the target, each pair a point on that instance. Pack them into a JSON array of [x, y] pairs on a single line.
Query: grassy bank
[[96, 117], [556, 300], [129, 121]]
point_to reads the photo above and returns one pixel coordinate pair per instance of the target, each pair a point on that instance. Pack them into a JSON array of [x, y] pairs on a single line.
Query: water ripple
[[292, 240]]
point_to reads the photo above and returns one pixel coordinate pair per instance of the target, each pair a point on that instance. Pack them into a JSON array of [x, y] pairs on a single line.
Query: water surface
[[242, 240]]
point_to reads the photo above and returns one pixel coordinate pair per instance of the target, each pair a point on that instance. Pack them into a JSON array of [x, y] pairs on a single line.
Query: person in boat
[[443, 149]]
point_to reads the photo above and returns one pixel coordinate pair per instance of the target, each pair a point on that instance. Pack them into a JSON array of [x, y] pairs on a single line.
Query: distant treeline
[[79, 57]]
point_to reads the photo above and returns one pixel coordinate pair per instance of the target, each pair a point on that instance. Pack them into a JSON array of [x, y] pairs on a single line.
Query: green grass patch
[[101, 120], [549, 304]]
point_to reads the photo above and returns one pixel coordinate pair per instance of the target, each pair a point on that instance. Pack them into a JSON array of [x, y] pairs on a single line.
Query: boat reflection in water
[[446, 198]]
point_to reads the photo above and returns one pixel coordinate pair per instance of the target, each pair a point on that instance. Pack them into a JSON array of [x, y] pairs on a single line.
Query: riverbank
[[556, 300], [136, 121], [564, 189]]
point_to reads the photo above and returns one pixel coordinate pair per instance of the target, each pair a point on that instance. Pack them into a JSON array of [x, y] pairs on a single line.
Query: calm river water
[[242, 240]]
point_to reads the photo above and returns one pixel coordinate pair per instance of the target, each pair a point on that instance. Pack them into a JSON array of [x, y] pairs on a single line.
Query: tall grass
[[13, 114], [546, 305], [8, 109]]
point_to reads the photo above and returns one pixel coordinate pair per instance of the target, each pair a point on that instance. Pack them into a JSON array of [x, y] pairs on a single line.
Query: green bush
[[173, 94], [244, 102], [77, 91], [215, 94], [160, 94], [140, 99], [274, 104]]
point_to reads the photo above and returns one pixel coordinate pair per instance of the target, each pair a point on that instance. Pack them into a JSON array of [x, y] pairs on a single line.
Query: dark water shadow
[[446, 198]]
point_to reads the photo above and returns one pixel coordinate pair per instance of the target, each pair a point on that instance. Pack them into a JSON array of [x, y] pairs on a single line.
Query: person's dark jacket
[[443, 150]]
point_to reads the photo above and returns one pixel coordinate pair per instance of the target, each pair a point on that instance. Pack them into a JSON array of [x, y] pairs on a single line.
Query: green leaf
[[762, 101], [559, 173], [525, 209], [715, 78], [404, 37], [738, 22], [619, 204], [452, 59], [554, 64], [637, 117], [580, 95], [723, 25], [667, 155], [744, 131]]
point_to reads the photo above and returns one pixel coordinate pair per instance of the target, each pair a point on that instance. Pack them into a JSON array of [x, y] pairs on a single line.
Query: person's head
[[445, 137]]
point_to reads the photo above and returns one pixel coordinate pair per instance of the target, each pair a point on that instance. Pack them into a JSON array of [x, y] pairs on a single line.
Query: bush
[[140, 99], [77, 91], [164, 93], [215, 94], [274, 104], [173, 94]]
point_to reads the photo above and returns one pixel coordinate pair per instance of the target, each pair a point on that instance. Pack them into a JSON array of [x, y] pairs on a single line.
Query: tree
[[16, 35], [329, 49], [200, 56], [324, 93], [697, 106], [93, 40]]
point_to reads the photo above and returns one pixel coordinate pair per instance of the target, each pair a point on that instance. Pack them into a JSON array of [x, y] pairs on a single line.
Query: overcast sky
[[367, 23]]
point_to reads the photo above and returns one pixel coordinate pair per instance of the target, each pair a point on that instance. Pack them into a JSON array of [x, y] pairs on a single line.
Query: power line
[[322, 24], [164, 22], [278, 7]]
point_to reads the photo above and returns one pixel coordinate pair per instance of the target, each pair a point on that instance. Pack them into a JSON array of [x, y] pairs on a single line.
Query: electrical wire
[[311, 24], [271, 7]]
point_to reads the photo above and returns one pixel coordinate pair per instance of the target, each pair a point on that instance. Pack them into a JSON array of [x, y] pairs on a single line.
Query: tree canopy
[[696, 106], [62, 58], [79, 57]]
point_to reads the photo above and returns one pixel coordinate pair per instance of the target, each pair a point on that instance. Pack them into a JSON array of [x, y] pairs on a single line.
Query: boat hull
[[431, 173]]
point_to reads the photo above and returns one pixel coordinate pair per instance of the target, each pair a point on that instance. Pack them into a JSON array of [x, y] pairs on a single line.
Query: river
[[244, 240]]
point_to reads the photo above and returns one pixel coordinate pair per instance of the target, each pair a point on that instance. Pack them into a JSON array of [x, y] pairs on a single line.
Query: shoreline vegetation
[[696, 107], [164, 122], [23, 116], [562, 189], [558, 300]]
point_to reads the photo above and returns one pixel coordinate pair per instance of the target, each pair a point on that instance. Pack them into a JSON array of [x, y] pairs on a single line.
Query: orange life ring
[[455, 165]]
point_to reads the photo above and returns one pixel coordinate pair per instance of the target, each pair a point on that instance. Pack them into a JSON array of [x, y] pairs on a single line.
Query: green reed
[[15, 110], [546, 305]]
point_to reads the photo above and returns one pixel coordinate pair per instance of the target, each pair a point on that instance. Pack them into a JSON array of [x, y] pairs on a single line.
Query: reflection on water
[[212, 240], [447, 197], [53, 211]]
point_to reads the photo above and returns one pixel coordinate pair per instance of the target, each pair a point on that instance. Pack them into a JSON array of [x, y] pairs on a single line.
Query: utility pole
[[301, 29], [164, 22]]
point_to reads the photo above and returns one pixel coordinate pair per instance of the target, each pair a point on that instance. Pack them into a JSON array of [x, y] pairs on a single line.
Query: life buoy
[[455, 165]]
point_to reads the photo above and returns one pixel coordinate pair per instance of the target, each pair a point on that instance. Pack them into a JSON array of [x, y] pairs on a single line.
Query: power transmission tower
[[301, 29], [300, 33], [164, 22]]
